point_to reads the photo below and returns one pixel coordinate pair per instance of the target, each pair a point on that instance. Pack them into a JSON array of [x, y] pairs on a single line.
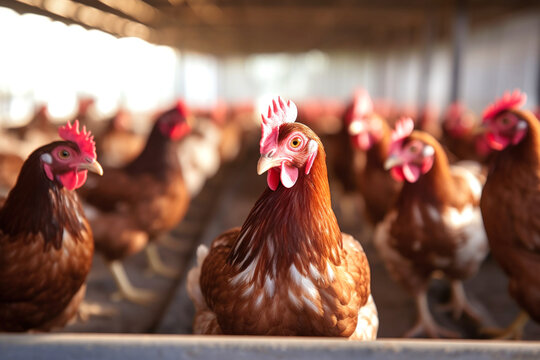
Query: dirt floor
[[224, 203]]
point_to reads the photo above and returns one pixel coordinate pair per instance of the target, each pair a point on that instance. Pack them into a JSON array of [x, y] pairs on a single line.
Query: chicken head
[[68, 161], [283, 153], [409, 158]]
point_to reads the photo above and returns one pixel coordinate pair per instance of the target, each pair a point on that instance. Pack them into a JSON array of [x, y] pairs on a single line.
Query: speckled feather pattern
[[288, 270], [435, 225], [328, 306]]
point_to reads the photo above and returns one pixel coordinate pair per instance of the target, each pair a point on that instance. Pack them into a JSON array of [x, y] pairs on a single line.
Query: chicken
[[345, 166], [435, 225], [10, 166], [427, 121], [289, 270], [370, 134], [46, 244], [40, 122], [511, 201], [23, 140], [85, 112], [460, 135], [132, 206], [118, 144], [199, 154]]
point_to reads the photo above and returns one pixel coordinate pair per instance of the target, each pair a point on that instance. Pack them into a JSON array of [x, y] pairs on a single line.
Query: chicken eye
[[63, 154], [295, 142], [505, 120]]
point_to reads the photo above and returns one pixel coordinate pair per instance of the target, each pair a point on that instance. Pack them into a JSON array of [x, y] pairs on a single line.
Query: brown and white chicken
[[288, 270], [435, 224]]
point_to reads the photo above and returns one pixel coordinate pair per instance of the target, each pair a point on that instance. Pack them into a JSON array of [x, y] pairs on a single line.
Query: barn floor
[[224, 203]]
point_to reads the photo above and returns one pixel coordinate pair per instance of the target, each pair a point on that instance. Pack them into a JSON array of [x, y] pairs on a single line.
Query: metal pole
[[427, 55], [460, 35]]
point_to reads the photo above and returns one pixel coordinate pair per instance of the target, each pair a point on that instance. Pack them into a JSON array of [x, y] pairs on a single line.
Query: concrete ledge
[[105, 347]]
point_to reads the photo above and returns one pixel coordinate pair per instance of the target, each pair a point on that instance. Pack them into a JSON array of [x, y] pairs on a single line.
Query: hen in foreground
[[435, 225], [46, 244], [289, 270], [511, 202]]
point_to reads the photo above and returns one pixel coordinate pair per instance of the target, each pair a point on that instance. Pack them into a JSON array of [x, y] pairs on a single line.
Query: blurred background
[[142, 55], [99, 60]]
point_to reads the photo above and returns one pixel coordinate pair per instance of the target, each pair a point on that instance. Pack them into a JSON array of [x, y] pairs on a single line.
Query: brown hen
[[132, 206], [289, 270], [46, 244], [511, 202], [370, 135], [435, 225]]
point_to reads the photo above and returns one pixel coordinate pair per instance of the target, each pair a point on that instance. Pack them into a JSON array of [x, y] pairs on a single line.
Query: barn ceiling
[[255, 26]]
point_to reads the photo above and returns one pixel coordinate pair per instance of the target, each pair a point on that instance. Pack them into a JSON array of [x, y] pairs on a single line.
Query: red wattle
[[74, 179], [273, 178], [289, 175], [178, 131], [397, 173]]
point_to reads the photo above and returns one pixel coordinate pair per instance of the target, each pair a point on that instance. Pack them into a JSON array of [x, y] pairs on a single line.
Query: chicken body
[[10, 166], [510, 209], [460, 135], [377, 187], [118, 144], [199, 155], [131, 207], [289, 270], [436, 225], [46, 247]]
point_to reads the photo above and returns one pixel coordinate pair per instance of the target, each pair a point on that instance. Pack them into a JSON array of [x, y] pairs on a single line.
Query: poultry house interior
[[173, 169]]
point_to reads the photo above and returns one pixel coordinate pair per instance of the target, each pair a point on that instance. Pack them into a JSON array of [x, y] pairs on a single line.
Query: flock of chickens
[[439, 201]]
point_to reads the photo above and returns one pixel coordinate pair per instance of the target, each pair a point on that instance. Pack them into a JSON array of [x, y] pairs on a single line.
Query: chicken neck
[[291, 226], [37, 205], [158, 157]]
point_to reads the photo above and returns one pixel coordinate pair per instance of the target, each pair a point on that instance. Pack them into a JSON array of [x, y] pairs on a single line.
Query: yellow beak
[[266, 163], [392, 161], [479, 129], [93, 166]]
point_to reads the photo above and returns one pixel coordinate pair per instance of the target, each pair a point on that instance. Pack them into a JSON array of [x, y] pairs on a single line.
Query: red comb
[[363, 104], [404, 128], [508, 101], [454, 110], [279, 113], [83, 139], [182, 108]]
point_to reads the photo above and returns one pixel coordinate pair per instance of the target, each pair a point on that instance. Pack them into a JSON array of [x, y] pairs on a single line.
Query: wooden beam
[[277, 16], [137, 9], [93, 18]]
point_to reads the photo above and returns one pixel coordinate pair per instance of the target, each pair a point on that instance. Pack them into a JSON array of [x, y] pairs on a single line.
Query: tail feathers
[[193, 277], [368, 322]]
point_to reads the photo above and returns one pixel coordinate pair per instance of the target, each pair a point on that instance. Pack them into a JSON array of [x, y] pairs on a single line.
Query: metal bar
[[113, 347], [538, 71], [427, 55], [460, 30]]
